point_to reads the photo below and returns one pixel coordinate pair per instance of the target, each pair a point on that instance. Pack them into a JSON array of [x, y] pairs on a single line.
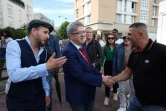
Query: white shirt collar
[[77, 46]]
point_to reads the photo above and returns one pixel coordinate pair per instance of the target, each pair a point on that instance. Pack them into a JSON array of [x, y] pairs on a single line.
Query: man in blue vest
[[27, 69]]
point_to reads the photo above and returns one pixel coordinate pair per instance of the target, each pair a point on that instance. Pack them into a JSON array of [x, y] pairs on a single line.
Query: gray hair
[[72, 27]]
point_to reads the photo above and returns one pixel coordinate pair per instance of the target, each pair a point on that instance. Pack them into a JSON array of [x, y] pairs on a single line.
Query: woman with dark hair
[[108, 53], [4, 40]]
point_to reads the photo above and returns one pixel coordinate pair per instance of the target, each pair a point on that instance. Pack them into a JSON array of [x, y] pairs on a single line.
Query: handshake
[[108, 81]]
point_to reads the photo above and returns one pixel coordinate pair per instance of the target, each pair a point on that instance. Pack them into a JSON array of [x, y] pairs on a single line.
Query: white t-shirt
[[119, 41], [60, 42], [101, 43]]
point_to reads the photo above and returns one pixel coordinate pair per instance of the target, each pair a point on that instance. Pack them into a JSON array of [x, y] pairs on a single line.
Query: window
[[154, 1], [118, 18], [76, 3], [87, 20], [0, 6], [153, 22], [10, 10], [10, 21], [86, 9], [133, 7], [129, 6], [125, 18], [144, 11], [76, 14], [20, 14], [154, 11], [28, 9], [1, 3], [30, 17], [1, 14], [85, 1], [119, 5], [132, 19], [1, 20], [129, 19], [27, 17], [20, 23]]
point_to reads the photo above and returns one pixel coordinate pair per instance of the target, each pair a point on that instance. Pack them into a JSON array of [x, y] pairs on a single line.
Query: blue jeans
[[49, 80], [83, 107], [135, 105]]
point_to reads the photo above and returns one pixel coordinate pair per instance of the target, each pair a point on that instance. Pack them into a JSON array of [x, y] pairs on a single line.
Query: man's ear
[[141, 34], [71, 36], [33, 30]]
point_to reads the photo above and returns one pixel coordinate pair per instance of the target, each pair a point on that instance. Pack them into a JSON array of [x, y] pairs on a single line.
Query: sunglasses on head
[[112, 38], [124, 38]]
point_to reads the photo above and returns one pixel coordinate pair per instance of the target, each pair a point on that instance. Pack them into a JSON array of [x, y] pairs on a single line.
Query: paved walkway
[[56, 106]]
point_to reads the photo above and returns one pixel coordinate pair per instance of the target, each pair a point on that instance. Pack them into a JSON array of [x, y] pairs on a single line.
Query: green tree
[[62, 30]]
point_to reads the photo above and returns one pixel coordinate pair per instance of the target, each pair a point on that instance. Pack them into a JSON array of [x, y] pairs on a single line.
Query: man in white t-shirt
[[98, 38], [115, 33]]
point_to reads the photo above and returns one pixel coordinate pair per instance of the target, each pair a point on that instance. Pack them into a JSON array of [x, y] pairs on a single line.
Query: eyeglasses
[[80, 32], [89, 32], [124, 38], [112, 38]]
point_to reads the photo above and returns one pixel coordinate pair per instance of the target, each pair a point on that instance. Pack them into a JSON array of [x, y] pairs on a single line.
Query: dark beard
[[39, 42]]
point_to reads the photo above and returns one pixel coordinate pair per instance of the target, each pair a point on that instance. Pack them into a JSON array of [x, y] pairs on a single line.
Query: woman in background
[[5, 39], [108, 53]]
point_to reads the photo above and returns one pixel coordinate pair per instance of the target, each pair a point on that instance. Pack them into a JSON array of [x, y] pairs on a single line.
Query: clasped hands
[[108, 81]]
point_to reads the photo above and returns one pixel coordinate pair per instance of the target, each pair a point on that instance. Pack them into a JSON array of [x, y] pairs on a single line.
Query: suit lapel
[[78, 52]]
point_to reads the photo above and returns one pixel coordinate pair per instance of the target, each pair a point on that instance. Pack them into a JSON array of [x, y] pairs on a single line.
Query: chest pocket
[[149, 67], [119, 55]]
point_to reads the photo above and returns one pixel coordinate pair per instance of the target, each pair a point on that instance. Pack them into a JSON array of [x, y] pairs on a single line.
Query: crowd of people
[[88, 62]]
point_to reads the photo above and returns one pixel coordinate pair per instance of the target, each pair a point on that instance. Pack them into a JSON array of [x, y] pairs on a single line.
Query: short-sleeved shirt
[[149, 74]]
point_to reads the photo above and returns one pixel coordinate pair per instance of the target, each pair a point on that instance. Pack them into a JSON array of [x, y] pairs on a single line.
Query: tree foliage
[[16, 33], [62, 32], [24, 26], [19, 2]]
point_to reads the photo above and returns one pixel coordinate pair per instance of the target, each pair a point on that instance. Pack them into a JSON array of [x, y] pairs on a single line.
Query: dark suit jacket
[[80, 78]]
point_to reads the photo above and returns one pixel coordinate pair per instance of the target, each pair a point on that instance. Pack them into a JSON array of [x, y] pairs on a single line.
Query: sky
[[55, 8]]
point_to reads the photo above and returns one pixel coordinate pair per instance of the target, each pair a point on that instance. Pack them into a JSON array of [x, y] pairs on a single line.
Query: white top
[[119, 41], [101, 43], [60, 42]]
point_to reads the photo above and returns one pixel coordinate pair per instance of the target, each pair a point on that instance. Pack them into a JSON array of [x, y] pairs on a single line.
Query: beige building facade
[[15, 15], [104, 15]]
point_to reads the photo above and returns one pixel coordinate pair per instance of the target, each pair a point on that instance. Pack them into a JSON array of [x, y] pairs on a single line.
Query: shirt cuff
[[42, 70], [47, 93]]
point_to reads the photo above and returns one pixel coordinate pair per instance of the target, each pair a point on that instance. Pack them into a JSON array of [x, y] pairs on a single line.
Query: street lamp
[[63, 17]]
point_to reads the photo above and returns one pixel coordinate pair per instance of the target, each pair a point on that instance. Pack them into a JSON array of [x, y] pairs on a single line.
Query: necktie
[[84, 55]]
